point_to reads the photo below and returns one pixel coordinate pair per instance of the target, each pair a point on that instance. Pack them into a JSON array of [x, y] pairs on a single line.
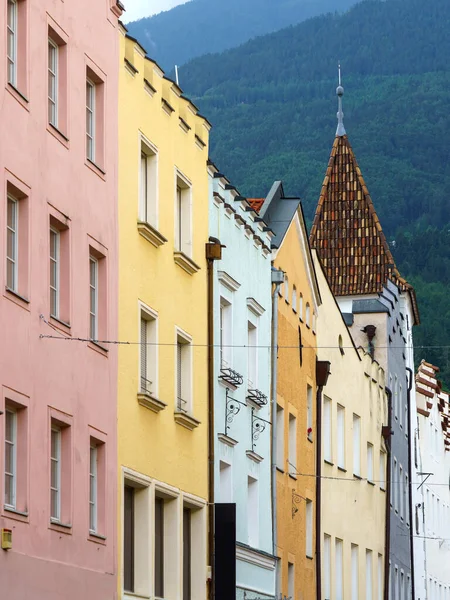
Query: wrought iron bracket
[[232, 408], [258, 426], [296, 499]]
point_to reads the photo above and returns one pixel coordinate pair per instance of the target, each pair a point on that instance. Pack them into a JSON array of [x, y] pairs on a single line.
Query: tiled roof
[[347, 233], [256, 203]]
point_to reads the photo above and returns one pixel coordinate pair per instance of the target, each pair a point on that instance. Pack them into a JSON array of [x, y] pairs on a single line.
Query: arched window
[[300, 307], [294, 298], [308, 315]]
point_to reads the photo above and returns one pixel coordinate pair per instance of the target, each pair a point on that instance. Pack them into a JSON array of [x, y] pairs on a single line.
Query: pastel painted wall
[[353, 510], [164, 447], [242, 286], [71, 382], [298, 305]]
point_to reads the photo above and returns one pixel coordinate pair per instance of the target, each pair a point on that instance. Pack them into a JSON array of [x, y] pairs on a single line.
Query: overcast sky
[[136, 9]]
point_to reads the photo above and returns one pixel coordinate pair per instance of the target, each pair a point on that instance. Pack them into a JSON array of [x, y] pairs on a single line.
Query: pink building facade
[[58, 278]]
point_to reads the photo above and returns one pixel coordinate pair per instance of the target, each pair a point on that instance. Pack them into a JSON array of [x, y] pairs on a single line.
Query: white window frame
[[93, 306], [225, 481], [183, 214], [90, 119], [382, 476], [53, 82], [55, 261], [370, 465], [57, 488], [93, 488], [291, 580], [338, 569], [14, 231], [355, 571], [253, 511], [327, 566], [395, 486], [309, 412], [356, 445], [252, 353], [327, 429], [148, 352], [148, 182], [340, 428], [309, 528], [292, 444], [401, 492], [12, 11], [183, 387], [294, 298], [308, 314], [369, 574], [12, 474], [226, 332], [280, 438]]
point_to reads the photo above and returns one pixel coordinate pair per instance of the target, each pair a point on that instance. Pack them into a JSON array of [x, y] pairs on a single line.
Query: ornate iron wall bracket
[[232, 408], [258, 426], [296, 499]]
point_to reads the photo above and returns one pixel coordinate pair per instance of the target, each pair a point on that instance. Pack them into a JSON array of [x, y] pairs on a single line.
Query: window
[[52, 83], [368, 574], [12, 250], [309, 528], [252, 512], [380, 577], [355, 572], [226, 331], [400, 406], [291, 581], [292, 445], [128, 539], [382, 470], [401, 491], [308, 315], [309, 416], [327, 437], [225, 482], [396, 410], [55, 265], [341, 436], [294, 298], [187, 554], [286, 288], [356, 445], [280, 437], [12, 41], [10, 457], [183, 374], [148, 352], [300, 346], [93, 487], [338, 560], [300, 307], [55, 470], [369, 462], [395, 485], [407, 500], [327, 567], [159, 547], [148, 192], [252, 355], [183, 241], [90, 120], [93, 306]]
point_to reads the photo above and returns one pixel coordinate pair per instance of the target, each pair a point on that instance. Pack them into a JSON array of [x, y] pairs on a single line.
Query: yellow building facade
[[354, 461], [162, 405], [298, 304]]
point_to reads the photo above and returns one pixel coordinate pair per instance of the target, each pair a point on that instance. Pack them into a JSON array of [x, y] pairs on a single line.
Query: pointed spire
[[340, 115]]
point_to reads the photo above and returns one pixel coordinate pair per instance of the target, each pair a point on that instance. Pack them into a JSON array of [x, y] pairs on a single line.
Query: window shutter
[[144, 383]]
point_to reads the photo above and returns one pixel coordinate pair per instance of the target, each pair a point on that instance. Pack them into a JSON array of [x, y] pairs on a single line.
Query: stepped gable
[[347, 233]]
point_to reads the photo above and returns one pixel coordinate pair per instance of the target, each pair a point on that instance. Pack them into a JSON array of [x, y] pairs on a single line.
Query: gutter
[[277, 279], [213, 251], [411, 514], [322, 373], [387, 432]]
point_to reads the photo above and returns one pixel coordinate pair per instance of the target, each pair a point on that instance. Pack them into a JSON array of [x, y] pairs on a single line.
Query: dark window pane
[[159, 547], [186, 554], [128, 540]]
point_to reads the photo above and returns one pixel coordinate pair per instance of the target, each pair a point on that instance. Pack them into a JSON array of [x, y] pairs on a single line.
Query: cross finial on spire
[[340, 115]]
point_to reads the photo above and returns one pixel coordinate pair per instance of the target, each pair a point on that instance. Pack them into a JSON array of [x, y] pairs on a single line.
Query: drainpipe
[[386, 432], [411, 515], [213, 251], [277, 279], [322, 373]]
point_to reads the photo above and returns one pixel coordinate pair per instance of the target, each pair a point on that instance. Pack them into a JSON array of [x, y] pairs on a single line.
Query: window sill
[[61, 325], [56, 133], [328, 462], [280, 470], [61, 527], [310, 439], [286, 300], [309, 557], [95, 168], [226, 439], [371, 482], [293, 476], [382, 489], [151, 234], [17, 95], [12, 513], [343, 469], [185, 263], [98, 348], [150, 402], [357, 476], [17, 298], [97, 538], [132, 596], [186, 420], [254, 456]]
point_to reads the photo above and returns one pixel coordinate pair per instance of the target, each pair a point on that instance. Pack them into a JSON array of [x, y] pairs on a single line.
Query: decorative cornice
[[186, 420], [253, 557], [228, 281], [226, 439], [186, 263], [151, 234], [255, 307], [151, 402]]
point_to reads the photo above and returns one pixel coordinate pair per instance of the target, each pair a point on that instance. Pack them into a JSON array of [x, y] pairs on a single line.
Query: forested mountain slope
[[202, 26], [272, 102]]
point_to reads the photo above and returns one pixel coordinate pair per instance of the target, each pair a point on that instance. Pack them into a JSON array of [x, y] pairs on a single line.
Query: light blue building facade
[[242, 365]]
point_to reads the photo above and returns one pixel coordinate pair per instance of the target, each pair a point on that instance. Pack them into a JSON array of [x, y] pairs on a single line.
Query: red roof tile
[[256, 203], [347, 233]]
